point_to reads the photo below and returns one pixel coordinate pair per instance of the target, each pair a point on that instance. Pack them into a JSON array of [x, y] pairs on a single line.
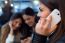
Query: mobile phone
[[56, 17]]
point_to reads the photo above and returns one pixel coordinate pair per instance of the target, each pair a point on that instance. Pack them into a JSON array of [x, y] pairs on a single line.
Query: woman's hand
[[43, 27], [11, 28]]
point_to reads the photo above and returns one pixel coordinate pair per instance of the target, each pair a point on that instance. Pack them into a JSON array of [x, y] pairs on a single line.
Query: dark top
[[43, 39]]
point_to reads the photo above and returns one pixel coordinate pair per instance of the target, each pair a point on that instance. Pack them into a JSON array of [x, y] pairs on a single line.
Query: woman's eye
[[40, 9]]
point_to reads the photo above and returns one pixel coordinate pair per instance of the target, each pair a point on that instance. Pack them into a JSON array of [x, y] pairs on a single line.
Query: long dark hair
[[55, 4], [51, 4]]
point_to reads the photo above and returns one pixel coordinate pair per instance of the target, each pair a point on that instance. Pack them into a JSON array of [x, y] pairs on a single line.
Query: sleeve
[[38, 38]]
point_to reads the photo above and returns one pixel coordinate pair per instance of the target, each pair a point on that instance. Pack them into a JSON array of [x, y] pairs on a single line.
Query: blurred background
[[18, 5], [7, 7]]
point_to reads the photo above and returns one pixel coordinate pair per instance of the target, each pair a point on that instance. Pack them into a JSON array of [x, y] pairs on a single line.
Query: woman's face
[[44, 10], [29, 20], [16, 23]]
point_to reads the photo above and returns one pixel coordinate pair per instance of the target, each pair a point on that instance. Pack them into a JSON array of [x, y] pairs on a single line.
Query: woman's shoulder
[[4, 28]]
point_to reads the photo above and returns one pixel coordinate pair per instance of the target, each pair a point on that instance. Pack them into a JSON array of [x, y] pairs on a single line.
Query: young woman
[[11, 30], [42, 31]]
